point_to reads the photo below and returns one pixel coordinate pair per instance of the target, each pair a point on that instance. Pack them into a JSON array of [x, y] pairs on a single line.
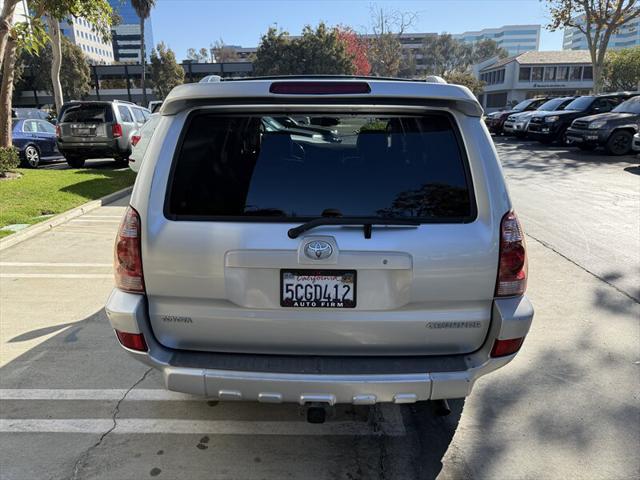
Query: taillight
[[127, 260], [116, 130], [134, 341], [512, 267], [58, 131], [319, 88], [502, 348], [135, 139]]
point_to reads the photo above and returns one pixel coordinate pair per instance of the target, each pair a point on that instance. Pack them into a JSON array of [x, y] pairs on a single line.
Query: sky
[[182, 24]]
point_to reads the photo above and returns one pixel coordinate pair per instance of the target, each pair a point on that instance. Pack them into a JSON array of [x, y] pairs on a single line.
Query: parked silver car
[[387, 267], [98, 129]]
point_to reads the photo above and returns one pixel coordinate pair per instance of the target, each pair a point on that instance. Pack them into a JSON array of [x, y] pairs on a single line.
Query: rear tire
[[619, 143], [31, 157], [75, 162]]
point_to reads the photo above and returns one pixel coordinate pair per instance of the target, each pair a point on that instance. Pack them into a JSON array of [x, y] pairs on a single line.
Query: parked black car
[[548, 127], [495, 121], [613, 130]]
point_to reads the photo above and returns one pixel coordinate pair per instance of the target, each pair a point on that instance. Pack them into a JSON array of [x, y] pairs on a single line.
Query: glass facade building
[[627, 36], [126, 35]]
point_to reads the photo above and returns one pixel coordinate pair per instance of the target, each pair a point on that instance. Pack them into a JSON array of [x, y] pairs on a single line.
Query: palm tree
[[143, 9]]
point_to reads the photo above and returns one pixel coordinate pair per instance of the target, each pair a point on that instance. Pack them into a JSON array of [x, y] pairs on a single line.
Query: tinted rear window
[[306, 166], [87, 113]]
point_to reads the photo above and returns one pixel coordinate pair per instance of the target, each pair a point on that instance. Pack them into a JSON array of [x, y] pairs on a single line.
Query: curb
[[63, 217]]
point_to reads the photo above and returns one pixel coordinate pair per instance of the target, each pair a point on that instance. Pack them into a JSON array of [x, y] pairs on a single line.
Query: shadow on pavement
[[552, 159], [85, 355]]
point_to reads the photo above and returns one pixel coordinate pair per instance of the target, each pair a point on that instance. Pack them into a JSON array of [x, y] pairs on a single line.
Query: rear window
[[275, 167], [87, 113]]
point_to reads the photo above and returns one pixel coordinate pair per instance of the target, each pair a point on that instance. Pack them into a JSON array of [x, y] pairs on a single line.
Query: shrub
[[9, 159]]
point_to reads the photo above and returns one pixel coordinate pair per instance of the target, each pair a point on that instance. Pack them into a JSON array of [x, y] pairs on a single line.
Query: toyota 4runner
[[259, 263]]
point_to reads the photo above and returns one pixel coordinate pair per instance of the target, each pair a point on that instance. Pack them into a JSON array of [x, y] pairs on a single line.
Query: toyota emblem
[[318, 249]]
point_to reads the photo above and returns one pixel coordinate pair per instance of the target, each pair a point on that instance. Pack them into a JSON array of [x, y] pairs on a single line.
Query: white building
[[533, 74], [627, 36], [515, 39], [83, 34], [20, 13]]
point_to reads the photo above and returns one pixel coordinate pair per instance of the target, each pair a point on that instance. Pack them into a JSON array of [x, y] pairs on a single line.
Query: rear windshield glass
[[87, 113], [306, 166]]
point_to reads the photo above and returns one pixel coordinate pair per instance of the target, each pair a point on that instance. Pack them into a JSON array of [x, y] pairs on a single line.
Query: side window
[[603, 105], [146, 115], [139, 115], [125, 114], [29, 126], [45, 127]]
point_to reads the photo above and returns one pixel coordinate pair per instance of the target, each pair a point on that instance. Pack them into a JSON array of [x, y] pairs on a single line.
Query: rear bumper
[[91, 149], [303, 379]]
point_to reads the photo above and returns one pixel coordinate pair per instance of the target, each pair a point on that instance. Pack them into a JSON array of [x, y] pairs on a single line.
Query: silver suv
[[282, 265], [98, 129]]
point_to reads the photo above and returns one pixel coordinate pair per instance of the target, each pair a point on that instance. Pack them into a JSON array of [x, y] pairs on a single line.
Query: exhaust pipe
[[441, 407]]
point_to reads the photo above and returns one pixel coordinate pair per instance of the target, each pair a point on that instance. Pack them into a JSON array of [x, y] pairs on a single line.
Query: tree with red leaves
[[357, 48]]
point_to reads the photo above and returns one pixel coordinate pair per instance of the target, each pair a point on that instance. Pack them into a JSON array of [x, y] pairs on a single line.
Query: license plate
[[82, 131], [318, 288]]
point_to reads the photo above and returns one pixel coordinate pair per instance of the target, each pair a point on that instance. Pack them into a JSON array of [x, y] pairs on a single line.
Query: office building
[[627, 36], [126, 36], [532, 74], [20, 12], [83, 34], [515, 39]]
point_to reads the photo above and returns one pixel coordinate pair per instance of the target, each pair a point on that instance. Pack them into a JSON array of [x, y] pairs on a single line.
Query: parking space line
[[56, 275], [142, 394], [91, 220], [50, 264], [197, 427]]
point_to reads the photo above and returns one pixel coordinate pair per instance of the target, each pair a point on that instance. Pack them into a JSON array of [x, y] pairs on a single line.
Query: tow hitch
[[440, 407], [317, 412]]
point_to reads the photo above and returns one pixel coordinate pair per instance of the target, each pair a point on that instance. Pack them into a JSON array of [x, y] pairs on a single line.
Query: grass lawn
[[46, 192]]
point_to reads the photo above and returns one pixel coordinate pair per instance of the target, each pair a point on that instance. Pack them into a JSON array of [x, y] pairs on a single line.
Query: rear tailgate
[[86, 123], [217, 256]]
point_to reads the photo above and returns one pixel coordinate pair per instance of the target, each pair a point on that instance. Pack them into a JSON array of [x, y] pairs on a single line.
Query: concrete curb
[[63, 217]]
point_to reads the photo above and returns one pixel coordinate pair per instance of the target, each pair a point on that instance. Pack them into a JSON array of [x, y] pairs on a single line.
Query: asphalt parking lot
[[73, 406]]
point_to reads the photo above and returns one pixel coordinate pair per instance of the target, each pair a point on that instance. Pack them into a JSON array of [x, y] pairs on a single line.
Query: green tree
[[487, 48], [75, 75], [597, 20], [224, 53], [466, 79], [319, 51], [166, 73], [143, 9], [443, 55], [199, 56], [621, 70]]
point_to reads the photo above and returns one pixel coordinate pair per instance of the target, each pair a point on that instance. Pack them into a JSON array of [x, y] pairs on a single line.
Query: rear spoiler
[[310, 92]]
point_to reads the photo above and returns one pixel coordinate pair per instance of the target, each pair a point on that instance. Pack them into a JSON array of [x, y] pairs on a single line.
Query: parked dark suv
[[495, 121], [613, 130], [548, 127], [98, 129]]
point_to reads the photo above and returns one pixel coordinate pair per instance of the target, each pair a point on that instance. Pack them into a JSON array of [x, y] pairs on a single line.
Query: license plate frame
[[322, 303]]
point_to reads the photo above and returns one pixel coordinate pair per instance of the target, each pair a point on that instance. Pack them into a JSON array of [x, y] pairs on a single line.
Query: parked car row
[[588, 121]]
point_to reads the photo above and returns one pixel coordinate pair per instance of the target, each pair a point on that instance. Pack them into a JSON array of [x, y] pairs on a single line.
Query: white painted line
[[119, 217], [141, 394], [195, 427], [49, 264], [83, 220], [55, 275]]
